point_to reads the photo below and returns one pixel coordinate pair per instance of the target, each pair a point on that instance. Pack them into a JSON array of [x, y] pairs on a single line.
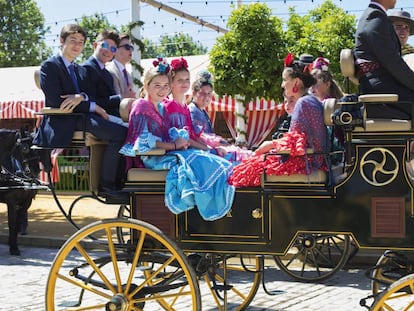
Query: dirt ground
[[46, 220]]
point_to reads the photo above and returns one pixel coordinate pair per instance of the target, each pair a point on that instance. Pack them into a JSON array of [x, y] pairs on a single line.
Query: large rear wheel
[[147, 272], [398, 296]]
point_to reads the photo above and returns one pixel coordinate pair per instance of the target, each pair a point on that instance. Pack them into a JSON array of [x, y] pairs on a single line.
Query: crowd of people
[[206, 168]]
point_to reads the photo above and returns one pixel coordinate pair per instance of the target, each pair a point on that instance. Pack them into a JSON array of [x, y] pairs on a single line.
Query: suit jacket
[[57, 131], [376, 40], [102, 87], [120, 85]]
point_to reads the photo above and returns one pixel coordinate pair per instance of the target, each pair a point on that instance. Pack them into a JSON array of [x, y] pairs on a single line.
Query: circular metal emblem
[[379, 167]]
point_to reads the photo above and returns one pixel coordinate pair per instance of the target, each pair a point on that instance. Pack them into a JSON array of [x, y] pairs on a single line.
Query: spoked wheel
[[226, 284], [123, 234], [398, 296], [390, 267], [145, 273], [315, 256]]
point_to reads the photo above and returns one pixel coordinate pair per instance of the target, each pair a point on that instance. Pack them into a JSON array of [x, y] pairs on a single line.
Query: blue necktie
[[74, 79]]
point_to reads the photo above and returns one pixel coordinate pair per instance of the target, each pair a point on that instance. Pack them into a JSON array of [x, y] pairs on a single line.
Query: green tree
[[176, 45], [93, 25], [248, 59], [324, 31], [22, 34]]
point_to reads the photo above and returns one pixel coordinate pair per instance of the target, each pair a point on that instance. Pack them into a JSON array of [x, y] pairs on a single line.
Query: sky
[[158, 22]]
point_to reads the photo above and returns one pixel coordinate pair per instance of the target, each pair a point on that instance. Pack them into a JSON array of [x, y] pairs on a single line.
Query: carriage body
[[373, 203], [370, 200]]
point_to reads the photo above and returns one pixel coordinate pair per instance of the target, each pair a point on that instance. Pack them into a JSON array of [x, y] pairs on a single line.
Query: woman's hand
[[181, 143], [265, 147]]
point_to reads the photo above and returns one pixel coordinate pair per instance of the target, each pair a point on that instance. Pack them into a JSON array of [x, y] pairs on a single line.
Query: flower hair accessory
[[179, 63], [205, 77], [289, 59], [161, 65], [321, 63]]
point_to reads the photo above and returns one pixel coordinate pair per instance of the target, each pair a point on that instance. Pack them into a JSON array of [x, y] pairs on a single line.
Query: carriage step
[[222, 287]]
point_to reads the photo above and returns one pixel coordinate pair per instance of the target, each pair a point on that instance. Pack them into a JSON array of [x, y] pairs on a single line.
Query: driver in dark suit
[[381, 69], [66, 86]]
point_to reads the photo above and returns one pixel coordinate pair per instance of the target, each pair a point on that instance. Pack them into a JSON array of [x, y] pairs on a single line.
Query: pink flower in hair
[[321, 63], [179, 63]]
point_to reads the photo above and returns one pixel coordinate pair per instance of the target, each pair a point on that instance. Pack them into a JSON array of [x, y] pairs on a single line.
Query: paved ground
[[23, 283], [23, 279]]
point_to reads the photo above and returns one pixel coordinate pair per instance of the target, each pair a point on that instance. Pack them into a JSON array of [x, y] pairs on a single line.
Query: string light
[[216, 19]]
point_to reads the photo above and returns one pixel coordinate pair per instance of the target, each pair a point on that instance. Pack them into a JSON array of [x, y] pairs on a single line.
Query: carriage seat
[[81, 138], [348, 69]]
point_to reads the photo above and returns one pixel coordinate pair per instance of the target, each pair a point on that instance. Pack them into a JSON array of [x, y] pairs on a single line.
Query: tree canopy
[[22, 32], [248, 60], [176, 45], [324, 31]]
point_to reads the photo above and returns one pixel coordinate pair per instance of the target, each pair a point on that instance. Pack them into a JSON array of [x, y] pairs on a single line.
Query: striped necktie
[[126, 76]]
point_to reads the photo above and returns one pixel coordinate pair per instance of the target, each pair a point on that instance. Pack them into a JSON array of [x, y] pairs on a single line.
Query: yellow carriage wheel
[[93, 271], [385, 273], [239, 276], [398, 296]]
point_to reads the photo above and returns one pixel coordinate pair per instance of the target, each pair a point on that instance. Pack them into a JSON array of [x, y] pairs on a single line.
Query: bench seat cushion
[[317, 176], [146, 174], [385, 125]]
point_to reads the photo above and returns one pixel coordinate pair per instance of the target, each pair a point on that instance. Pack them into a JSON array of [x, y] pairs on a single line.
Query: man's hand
[[70, 102], [100, 111]]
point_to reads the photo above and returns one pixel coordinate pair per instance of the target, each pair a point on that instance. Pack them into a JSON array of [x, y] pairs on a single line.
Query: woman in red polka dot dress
[[307, 130]]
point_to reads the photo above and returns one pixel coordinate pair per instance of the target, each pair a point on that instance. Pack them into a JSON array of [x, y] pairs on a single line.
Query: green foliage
[[248, 60], [93, 25], [22, 34], [324, 31], [176, 45]]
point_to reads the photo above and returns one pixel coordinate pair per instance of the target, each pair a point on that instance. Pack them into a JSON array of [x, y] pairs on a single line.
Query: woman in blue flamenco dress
[[195, 178]]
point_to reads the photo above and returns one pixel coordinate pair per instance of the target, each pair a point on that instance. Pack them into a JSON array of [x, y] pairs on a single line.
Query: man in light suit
[[66, 86], [381, 68], [102, 85], [123, 83]]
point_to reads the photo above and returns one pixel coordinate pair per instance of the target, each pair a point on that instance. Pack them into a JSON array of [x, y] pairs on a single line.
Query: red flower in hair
[[179, 63], [289, 60]]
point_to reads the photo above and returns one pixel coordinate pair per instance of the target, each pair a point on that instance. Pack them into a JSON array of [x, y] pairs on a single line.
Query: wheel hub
[[309, 241], [117, 303]]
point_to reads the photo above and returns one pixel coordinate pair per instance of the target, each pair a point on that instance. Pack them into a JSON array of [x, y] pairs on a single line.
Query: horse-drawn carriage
[[148, 256]]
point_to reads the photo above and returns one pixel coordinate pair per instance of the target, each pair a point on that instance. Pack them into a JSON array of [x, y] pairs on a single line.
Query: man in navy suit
[[381, 69], [66, 86], [100, 79]]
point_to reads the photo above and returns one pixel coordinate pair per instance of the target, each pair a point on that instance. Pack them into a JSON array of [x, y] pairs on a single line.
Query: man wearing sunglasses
[[101, 81], [67, 86], [123, 83]]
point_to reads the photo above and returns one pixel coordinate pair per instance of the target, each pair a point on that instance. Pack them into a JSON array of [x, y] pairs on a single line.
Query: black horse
[[18, 179]]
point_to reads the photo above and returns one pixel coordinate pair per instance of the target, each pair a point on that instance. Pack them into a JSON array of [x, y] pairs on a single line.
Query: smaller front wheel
[[315, 256]]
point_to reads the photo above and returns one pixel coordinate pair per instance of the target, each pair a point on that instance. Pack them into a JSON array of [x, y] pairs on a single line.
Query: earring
[[295, 89]]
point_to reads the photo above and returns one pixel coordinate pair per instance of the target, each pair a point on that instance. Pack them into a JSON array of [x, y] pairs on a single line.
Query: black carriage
[[304, 222]]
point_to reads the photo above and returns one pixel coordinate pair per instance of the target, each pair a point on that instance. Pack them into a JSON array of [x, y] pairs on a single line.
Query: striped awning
[[20, 109]]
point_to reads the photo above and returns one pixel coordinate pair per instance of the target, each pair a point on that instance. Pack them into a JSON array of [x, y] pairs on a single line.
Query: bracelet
[[175, 146]]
